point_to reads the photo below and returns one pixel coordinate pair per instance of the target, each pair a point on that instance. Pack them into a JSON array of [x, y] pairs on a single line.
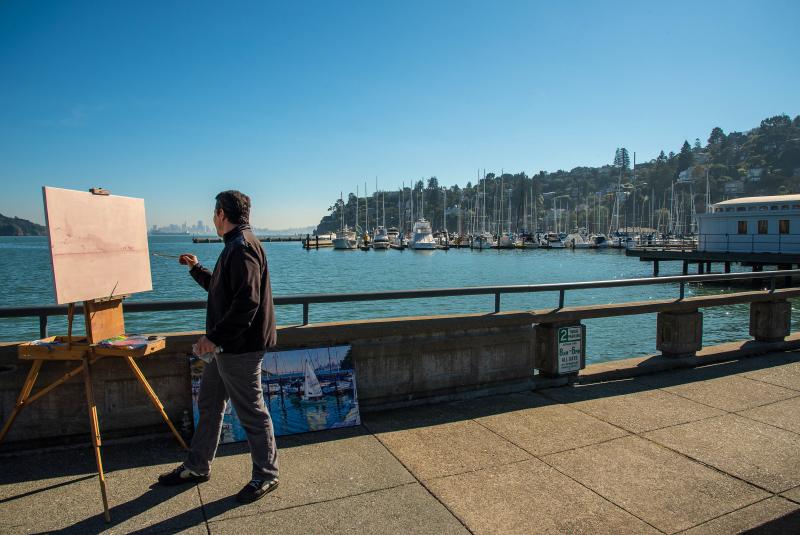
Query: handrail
[[42, 312]]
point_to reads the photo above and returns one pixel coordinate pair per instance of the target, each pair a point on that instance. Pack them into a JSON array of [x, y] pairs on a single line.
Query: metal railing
[[43, 312]]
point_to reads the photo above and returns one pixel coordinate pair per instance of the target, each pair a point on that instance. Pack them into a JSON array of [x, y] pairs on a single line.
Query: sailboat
[[506, 240], [312, 391], [483, 239], [381, 240], [345, 237], [422, 237]]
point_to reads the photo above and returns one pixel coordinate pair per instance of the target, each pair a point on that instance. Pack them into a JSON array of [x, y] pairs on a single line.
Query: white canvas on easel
[[98, 245]]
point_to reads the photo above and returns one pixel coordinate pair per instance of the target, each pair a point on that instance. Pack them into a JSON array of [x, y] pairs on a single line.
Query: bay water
[[27, 281]]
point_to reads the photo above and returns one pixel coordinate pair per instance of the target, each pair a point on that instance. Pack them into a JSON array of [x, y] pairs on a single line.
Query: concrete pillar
[[560, 348], [679, 334], [700, 268], [770, 321]]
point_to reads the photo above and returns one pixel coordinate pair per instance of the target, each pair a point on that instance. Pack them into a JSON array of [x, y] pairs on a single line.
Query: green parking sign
[[570, 341]]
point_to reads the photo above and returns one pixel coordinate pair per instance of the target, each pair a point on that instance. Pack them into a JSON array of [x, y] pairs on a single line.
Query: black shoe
[[181, 475], [256, 489]]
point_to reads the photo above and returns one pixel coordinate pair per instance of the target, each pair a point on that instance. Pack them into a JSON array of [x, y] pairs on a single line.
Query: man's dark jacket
[[240, 317]]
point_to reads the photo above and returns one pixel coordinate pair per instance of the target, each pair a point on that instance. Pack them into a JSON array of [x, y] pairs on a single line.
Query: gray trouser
[[238, 377]]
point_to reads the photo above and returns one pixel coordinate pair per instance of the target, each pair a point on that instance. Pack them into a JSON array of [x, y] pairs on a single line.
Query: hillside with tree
[[663, 192], [14, 226]]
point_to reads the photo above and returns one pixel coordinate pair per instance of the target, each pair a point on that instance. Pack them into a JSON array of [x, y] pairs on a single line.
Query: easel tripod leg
[[95, 426], [30, 380], [154, 399]]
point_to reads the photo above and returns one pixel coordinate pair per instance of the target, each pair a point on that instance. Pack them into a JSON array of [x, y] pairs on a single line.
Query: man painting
[[240, 326]]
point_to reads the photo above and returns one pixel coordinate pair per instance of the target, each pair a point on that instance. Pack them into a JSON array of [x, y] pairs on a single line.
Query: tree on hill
[[685, 158]]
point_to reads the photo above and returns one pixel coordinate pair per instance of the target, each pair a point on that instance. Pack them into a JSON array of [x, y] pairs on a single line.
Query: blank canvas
[[98, 245]]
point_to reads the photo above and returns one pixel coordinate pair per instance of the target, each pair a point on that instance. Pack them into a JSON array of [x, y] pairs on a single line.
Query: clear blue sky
[[294, 102]]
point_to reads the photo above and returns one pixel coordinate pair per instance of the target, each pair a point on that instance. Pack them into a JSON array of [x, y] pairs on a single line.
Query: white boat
[[552, 240], [394, 236], [577, 240], [422, 238], [599, 241], [381, 239], [345, 239], [484, 240], [312, 391]]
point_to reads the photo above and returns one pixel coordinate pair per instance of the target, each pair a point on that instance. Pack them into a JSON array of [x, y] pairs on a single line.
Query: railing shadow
[[424, 416]]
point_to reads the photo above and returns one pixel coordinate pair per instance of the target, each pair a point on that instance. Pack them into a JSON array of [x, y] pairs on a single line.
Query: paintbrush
[[162, 255]]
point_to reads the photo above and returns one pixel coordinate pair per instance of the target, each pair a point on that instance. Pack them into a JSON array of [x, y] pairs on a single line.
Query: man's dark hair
[[236, 206]]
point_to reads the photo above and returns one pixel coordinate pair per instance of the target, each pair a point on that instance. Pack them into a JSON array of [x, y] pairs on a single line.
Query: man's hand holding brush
[[188, 259]]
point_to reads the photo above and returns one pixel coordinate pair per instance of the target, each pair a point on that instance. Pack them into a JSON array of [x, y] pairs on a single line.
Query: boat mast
[[411, 219], [366, 210], [422, 202], [444, 209], [509, 210], [483, 213]]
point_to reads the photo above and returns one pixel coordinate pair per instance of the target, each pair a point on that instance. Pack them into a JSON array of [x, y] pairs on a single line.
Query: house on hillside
[[734, 187], [754, 174]]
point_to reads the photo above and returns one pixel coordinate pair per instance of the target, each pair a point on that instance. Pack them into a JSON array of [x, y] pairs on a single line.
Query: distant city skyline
[[295, 103], [201, 228]]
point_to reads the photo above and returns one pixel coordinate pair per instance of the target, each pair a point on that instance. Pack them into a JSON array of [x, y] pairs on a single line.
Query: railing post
[[42, 326], [561, 299], [496, 302], [770, 321], [679, 334], [305, 313], [683, 289]]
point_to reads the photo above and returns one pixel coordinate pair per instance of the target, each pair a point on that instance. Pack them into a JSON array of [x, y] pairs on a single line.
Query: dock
[[263, 239], [710, 450], [705, 260]]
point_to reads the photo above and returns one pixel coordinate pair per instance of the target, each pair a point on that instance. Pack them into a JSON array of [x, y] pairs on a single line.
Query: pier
[[458, 434], [263, 239], [704, 260]]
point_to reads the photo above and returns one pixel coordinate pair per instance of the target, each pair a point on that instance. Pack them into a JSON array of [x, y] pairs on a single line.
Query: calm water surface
[[26, 280]]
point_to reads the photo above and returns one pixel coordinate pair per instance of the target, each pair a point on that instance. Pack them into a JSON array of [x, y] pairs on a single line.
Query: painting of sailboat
[[312, 391], [309, 389]]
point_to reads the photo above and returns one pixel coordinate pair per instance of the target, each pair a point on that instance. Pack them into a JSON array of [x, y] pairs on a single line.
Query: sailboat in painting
[[312, 391]]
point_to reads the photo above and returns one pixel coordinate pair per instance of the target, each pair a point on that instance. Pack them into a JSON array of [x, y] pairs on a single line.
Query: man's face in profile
[[218, 218]]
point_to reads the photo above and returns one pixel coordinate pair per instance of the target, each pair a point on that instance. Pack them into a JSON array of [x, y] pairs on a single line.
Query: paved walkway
[[710, 450]]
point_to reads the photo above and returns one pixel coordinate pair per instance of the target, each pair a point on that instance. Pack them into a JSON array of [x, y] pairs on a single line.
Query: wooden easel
[[104, 319]]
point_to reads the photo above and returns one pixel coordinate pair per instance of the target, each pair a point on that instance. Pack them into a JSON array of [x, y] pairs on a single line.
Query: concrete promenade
[[708, 450]]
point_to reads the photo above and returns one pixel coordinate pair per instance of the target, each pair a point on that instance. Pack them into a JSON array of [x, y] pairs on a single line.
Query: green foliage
[[14, 226], [622, 158], [773, 146]]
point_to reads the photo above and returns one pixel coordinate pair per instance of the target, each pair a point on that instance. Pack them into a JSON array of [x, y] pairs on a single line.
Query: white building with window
[[752, 225]]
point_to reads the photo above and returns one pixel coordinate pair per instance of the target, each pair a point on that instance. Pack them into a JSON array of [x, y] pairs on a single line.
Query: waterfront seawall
[[398, 362]]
